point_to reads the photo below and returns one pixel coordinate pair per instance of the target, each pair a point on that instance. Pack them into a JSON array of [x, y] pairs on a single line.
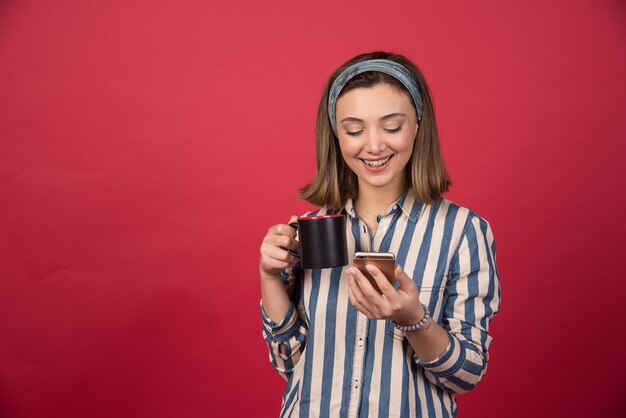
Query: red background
[[146, 147]]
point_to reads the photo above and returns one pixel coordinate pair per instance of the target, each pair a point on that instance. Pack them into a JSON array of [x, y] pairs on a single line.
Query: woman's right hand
[[274, 254]]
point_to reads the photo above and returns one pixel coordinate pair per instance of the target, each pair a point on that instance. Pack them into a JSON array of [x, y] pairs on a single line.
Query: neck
[[374, 201]]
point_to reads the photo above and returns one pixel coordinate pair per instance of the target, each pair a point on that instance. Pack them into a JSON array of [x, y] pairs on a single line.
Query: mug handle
[[294, 225]]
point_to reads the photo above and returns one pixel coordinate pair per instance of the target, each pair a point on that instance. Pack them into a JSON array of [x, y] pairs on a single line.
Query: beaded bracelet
[[415, 327]]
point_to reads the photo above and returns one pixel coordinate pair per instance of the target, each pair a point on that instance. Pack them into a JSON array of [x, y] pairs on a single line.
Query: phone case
[[384, 261]]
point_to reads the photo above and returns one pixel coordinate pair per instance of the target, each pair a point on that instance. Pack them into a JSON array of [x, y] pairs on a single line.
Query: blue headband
[[392, 68]]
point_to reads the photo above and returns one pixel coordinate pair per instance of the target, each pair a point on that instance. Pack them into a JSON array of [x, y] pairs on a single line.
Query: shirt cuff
[[448, 362], [287, 326]]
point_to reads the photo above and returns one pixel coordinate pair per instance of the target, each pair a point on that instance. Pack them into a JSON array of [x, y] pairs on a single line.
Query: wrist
[[417, 325], [414, 315], [270, 277]]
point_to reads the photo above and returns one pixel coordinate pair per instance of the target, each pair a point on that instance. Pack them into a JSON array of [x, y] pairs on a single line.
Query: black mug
[[322, 240]]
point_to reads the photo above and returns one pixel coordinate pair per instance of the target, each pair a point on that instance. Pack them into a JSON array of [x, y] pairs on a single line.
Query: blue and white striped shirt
[[339, 363]]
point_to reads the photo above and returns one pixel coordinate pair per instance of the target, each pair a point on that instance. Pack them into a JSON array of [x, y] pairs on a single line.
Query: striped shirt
[[339, 363]]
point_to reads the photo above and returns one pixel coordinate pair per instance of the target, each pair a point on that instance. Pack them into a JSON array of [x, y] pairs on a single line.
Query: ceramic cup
[[322, 241]]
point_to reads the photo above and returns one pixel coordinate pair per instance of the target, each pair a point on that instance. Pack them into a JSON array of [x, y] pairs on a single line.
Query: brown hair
[[334, 181]]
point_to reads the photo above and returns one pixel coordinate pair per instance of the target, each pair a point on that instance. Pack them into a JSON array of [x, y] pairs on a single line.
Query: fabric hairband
[[392, 68]]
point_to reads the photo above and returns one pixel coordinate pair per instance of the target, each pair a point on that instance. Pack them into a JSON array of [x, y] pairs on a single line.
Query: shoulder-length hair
[[334, 182]]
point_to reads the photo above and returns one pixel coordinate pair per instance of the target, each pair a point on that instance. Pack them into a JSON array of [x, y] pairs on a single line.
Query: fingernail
[[352, 270], [369, 268]]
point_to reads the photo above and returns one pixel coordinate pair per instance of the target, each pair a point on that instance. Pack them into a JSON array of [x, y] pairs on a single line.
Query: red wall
[[146, 147]]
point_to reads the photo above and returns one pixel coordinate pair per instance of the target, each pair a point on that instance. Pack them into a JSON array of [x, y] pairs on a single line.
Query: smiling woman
[[404, 349], [425, 171], [377, 129]]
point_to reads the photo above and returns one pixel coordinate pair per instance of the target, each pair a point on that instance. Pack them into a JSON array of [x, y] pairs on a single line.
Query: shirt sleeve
[[473, 298], [285, 339]]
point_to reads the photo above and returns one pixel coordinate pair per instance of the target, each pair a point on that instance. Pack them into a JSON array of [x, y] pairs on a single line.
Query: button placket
[[357, 365], [365, 237], [381, 231]]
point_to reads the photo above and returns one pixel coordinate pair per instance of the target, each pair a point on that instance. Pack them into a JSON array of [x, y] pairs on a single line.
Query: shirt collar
[[408, 203]]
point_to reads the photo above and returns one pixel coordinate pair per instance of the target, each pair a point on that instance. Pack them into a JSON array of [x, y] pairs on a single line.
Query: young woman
[[345, 349]]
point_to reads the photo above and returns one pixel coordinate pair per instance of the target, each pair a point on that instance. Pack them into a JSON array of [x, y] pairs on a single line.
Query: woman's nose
[[375, 143]]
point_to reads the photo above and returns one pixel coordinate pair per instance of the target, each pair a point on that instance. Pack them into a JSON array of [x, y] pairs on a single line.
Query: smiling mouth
[[377, 163]]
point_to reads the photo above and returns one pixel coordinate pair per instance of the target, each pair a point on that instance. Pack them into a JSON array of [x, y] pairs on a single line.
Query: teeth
[[377, 163]]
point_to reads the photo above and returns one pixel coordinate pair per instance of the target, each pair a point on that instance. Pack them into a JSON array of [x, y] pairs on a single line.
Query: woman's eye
[[393, 130], [354, 133]]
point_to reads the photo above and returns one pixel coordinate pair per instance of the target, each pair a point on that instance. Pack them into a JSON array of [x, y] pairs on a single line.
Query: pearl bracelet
[[419, 326]]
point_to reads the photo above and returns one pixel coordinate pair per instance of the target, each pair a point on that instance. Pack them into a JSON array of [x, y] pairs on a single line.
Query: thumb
[[293, 223], [404, 281]]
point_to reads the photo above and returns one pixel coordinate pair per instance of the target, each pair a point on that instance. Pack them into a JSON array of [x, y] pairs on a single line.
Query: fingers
[[282, 235], [274, 248], [282, 229], [381, 280], [277, 252], [366, 297], [400, 274], [357, 299], [274, 259], [391, 304], [281, 241], [405, 283], [273, 267]]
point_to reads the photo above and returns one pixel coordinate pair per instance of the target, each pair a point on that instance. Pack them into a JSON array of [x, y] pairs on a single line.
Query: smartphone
[[386, 262]]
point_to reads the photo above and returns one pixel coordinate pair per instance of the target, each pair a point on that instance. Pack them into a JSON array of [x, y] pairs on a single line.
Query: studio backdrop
[[147, 146]]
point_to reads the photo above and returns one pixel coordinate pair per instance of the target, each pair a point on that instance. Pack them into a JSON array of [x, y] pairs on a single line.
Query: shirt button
[[360, 342]]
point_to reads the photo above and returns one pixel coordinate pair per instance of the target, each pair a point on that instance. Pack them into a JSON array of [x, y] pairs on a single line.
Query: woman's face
[[377, 127]]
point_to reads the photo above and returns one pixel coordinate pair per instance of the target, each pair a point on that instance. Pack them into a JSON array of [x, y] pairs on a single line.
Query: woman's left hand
[[401, 305]]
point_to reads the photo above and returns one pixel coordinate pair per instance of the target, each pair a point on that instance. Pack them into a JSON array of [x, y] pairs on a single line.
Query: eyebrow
[[389, 116]]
